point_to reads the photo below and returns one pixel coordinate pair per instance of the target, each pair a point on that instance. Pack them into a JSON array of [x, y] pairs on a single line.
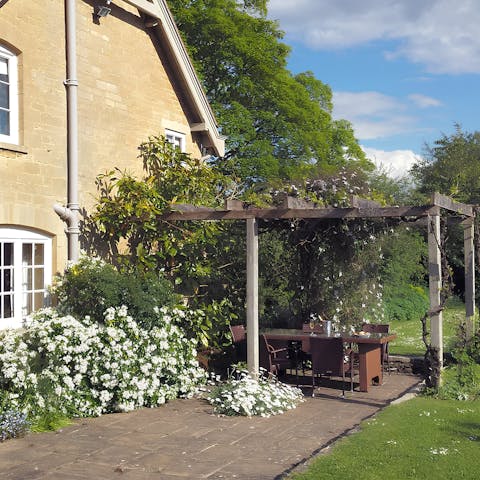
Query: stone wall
[[125, 94], [406, 364]]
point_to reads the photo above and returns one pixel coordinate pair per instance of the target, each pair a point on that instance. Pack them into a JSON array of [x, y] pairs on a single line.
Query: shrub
[[461, 380], [89, 286], [82, 368], [246, 396], [405, 302]]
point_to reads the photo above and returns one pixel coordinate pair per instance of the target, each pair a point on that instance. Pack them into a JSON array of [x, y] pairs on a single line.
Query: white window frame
[[177, 139], [12, 63], [20, 237]]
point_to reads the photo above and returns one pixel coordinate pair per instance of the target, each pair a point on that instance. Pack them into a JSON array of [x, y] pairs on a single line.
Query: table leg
[[370, 365]]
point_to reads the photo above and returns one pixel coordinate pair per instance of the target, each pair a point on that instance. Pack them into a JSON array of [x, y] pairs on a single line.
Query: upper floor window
[[25, 272], [175, 138], [8, 96]]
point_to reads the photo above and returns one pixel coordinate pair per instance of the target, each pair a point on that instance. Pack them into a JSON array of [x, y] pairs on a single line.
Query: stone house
[[82, 84]]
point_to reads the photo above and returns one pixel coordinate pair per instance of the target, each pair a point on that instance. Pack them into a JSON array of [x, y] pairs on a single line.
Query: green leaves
[[278, 125], [451, 167]]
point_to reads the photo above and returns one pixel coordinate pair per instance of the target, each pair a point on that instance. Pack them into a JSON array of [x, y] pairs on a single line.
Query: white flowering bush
[[83, 368], [247, 396]]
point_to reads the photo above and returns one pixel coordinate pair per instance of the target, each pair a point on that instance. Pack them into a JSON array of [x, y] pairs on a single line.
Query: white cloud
[[373, 114], [423, 101], [395, 163], [442, 35]]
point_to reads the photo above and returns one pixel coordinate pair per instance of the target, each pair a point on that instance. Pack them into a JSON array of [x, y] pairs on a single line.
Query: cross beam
[[188, 212]]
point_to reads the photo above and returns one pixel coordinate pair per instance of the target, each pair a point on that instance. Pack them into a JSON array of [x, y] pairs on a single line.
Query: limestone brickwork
[[126, 93]]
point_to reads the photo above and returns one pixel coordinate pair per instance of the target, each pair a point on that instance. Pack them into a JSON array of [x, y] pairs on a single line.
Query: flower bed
[[82, 368], [247, 396]]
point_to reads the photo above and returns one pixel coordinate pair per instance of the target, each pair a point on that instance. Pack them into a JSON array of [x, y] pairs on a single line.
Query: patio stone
[[184, 439]]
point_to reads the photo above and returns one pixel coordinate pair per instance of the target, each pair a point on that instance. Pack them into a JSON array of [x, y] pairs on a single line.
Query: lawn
[[423, 438], [409, 333]]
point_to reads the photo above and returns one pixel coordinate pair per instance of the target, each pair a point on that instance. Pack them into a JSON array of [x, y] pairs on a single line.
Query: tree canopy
[[278, 125], [451, 166]]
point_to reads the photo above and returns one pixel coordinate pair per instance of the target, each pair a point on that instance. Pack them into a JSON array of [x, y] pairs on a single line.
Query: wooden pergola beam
[[449, 204], [183, 212]]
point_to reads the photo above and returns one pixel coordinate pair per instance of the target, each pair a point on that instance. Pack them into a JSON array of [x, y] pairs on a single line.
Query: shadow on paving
[[184, 439]]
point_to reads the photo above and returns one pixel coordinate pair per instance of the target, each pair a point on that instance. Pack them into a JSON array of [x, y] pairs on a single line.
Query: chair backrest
[[327, 355], [238, 333], [317, 329], [376, 327], [265, 359]]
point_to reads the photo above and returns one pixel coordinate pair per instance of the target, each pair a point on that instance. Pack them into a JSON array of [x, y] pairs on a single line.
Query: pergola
[[294, 208]]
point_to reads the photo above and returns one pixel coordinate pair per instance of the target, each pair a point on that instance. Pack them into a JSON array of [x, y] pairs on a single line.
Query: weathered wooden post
[[469, 253], [252, 297], [435, 286]]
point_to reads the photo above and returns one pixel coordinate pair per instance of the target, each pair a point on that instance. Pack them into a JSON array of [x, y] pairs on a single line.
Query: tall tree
[[278, 125], [451, 166]]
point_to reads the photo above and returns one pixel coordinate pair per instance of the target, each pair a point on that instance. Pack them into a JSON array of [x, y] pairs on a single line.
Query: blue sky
[[403, 72]]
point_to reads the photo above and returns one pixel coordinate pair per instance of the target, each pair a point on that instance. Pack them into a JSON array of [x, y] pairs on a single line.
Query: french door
[[25, 272]]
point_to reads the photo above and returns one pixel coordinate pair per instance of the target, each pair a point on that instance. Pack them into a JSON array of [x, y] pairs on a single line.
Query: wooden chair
[[380, 328], [304, 347], [273, 358], [330, 358], [239, 339], [238, 333]]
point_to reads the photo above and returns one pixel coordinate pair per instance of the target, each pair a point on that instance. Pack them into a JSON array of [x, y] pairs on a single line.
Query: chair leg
[[313, 384], [351, 373]]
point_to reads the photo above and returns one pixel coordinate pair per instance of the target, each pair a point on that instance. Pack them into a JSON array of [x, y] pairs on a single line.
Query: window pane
[[4, 96], [27, 253], [3, 70], [27, 279], [39, 279], [7, 306], [39, 296], [7, 254], [7, 280], [38, 254], [4, 122], [27, 303]]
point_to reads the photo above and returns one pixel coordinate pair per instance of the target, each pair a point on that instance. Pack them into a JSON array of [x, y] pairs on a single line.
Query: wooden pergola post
[[252, 297], [435, 285], [469, 253]]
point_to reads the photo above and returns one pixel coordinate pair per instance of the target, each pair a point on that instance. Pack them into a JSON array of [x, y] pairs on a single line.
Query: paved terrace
[[184, 440]]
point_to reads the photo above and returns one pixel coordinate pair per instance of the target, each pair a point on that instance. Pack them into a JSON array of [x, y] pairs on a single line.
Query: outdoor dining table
[[369, 349]]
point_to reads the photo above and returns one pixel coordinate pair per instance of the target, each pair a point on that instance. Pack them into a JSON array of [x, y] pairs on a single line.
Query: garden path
[[183, 439]]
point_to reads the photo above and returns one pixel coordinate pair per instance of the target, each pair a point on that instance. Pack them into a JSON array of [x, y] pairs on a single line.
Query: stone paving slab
[[185, 440]]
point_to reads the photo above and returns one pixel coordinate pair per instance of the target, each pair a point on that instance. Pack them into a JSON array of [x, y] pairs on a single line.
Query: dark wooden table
[[369, 349]]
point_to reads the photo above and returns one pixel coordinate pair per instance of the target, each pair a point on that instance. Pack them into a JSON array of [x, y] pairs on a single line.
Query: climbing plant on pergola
[[294, 208]]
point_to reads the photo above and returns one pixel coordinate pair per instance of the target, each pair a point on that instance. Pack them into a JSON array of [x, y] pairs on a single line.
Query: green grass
[[423, 438], [50, 421], [409, 333]]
